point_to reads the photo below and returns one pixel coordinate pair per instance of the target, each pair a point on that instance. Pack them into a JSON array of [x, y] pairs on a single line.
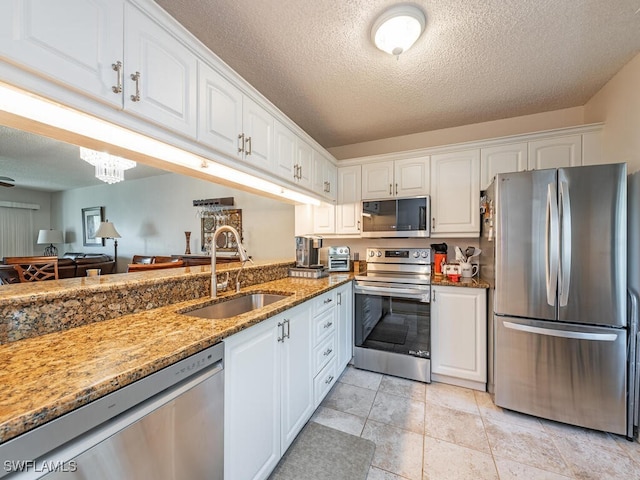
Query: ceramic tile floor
[[442, 432]]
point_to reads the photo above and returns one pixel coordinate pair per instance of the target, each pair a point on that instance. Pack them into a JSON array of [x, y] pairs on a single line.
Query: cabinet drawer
[[324, 381], [324, 302], [323, 325], [324, 353]]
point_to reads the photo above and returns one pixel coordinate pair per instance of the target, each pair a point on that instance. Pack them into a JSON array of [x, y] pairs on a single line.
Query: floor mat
[[323, 453]]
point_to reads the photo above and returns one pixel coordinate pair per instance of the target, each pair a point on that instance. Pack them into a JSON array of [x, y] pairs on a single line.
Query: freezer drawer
[[568, 373]]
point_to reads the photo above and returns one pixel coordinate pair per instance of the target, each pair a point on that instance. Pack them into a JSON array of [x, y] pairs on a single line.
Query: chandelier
[[109, 169]]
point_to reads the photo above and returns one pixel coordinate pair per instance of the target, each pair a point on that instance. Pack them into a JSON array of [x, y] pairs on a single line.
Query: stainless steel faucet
[[241, 252]]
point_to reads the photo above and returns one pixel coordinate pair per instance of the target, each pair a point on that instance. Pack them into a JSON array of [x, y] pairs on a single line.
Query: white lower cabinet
[[345, 324], [276, 373], [268, 392], [459, 336]]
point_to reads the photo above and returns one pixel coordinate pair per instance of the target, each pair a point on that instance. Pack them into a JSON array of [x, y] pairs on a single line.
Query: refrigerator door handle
[[565, 236], [551, 244], [603, 337]]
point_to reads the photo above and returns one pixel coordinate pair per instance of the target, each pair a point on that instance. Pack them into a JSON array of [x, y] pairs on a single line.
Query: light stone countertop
[[46, 376]]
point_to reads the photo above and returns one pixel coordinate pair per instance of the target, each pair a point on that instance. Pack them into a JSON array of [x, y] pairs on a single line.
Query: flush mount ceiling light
[[109, 169], [398, 28]]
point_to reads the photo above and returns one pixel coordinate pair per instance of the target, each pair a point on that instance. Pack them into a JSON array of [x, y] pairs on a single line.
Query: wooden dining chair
[[34, 269]]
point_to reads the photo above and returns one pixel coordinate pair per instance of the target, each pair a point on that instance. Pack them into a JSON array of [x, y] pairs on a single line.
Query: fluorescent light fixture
[[398, 28], [26, 105]]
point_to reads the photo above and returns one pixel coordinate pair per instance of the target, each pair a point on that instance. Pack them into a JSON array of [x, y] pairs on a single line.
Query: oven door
[[393, 329]]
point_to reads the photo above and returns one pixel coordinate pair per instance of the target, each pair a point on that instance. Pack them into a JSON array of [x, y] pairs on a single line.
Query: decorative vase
[[188, 240]]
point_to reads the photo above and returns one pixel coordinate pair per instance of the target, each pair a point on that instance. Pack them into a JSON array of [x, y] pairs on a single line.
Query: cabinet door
[[297, 376], [305, 163], [411, 177], [74, 42], [501, 159], [555, 152], [324, 218], [285, 143], [455, 193], [349, 208], [459, 333], [252, 401], [377, 180], [166, 89], [258, 127], [219, 111], [345, 325]]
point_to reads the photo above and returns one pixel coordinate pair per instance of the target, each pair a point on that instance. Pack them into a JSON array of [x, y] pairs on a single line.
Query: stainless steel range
[[392, 313]]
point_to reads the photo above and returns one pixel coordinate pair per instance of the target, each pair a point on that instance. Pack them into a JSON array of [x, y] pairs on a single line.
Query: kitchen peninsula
[[49, 373]]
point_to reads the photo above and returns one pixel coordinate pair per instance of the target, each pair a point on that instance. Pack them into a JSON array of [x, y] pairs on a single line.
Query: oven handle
[[423, 296]]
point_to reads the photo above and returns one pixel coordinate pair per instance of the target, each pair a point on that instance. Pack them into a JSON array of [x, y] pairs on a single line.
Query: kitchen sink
[[236, 306]]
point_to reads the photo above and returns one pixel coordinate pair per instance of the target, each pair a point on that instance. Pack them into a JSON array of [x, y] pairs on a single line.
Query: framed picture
[[91, 218]]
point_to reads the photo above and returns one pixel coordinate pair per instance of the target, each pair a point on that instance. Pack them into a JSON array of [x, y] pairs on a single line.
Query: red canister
[[438, 260]]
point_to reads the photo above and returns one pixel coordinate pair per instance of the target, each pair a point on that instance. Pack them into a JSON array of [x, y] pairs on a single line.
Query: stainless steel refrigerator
[[557, 244]]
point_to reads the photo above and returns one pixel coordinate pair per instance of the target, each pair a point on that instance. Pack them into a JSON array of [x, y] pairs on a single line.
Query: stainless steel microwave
[[398, 217]]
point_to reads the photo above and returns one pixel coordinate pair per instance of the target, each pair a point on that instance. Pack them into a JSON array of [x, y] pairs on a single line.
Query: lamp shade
[[107, 230], [50, 236]]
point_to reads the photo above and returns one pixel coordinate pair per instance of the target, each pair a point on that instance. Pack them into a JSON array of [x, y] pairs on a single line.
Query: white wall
[[617, 104], [152, 214], [567, 117]]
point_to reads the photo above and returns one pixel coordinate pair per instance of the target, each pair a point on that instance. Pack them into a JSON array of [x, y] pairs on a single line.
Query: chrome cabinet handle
[[240, 142], [117, 67], [390, 189], [328, 324], [358, 225], [295, 172], [329, 380], [339, 298], [328, 352], [328, 300], [433, 223], [433, 296], [396, 189], [288, 335], [281, 338], [136, 78], [248, 149]]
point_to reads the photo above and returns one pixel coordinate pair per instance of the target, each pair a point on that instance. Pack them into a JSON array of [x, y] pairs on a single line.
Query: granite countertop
[[47, 376], [474, 282]]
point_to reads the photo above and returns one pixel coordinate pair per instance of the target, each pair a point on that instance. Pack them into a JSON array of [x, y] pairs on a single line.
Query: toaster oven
[[338, 259]]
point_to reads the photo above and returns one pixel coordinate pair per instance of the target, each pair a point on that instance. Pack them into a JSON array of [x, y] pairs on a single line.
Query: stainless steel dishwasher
[[166, 426]]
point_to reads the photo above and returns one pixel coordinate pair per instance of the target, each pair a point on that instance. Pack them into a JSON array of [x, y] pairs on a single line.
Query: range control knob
[[378, 253], [424, 254], [371, 253], [416, 254]]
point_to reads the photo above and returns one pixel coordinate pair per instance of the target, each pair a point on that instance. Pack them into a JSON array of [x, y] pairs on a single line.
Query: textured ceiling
[[40, 163], [478, 60]]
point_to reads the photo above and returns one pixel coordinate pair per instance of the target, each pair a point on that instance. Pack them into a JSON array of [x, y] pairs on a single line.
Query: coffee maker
[[307, 251]]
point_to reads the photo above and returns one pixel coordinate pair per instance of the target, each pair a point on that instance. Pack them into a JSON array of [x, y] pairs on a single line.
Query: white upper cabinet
[[304, 159], [324, 176], [73, 42], [400, 178], [258, 126], [233, 123], [455, 194], [501, 159], [555, 152], [220, 112], [293, 157], [161, 74], [411, 177], [349, 207], [377, 180]]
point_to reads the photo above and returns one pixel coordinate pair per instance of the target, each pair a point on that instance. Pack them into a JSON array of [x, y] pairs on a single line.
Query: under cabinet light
[[26, 105]]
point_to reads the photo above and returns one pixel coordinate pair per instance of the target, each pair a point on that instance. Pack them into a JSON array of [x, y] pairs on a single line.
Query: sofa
[[76, 264]]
